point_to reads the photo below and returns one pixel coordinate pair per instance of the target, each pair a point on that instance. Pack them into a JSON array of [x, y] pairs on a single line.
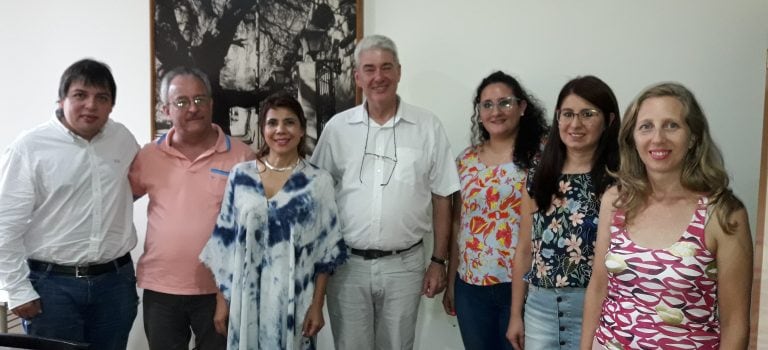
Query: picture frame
[[251, 49]]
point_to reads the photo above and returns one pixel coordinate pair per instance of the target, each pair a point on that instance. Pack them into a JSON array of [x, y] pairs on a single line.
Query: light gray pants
[[373, 304]]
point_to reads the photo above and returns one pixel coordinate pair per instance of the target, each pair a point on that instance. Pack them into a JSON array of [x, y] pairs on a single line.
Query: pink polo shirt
[[184, 201]]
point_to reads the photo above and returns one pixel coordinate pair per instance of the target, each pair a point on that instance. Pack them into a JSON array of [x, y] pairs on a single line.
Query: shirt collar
[[223, 141], [59, 125], [361, 114]]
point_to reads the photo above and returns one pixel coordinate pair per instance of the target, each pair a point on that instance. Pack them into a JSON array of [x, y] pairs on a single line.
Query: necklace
[[279, 170]]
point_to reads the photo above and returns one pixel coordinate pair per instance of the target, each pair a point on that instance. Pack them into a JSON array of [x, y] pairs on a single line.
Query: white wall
[[446, 47]]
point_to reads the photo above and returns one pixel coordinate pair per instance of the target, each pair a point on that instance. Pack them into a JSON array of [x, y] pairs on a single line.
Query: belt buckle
[[81, 271], [375, 254], [384, 253]]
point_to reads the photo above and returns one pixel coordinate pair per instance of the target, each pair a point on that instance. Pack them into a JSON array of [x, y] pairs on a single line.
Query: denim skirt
[[553, 318]]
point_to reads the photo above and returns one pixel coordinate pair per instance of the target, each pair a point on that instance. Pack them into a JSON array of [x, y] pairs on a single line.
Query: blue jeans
[[483, 314], [97, 310], [553, 318], [170, 319]]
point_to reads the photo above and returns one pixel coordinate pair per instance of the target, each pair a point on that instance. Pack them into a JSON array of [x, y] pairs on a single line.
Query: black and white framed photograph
[[251, 49]]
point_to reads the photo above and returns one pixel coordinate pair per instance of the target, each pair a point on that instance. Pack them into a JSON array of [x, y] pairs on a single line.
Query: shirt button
[[559, 299], [560, 314], [562, 328], [562, 342]]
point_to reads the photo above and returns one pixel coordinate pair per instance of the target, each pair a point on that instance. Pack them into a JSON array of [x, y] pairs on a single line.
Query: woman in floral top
[[557, 241], [507, 129]]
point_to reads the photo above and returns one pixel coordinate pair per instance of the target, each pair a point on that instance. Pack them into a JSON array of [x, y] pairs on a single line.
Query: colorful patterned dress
[[265, 254], [661, 298], [490, 219]]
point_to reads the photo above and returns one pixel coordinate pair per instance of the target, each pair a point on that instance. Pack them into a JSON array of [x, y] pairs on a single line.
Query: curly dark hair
[[532, 127]]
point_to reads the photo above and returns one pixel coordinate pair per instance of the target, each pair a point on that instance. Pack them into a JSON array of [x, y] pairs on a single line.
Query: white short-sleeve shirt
[[385, 204]]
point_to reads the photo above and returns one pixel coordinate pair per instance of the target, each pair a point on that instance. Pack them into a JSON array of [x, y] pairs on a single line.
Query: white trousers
[[373, 304]]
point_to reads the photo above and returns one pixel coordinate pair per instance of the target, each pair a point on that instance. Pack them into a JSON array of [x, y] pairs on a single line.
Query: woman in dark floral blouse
[[558, 227]]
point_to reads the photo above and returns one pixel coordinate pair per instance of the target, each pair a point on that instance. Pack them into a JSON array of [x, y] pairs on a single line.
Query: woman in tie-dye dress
[[673, 261], [276, 239]]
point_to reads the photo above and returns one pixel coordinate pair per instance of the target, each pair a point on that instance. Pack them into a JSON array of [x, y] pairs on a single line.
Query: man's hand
[[434, 280], [221, 315], [28, 310]]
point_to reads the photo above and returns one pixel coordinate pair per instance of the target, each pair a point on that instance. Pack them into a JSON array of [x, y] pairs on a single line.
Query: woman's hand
[[221, 315], [448, 300], [314, 321], [522, 264], [453, 258], [516, 333]]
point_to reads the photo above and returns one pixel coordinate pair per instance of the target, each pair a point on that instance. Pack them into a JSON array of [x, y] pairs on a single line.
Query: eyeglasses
[[390, 162], [585, 115], [505, 103], [199, 101]]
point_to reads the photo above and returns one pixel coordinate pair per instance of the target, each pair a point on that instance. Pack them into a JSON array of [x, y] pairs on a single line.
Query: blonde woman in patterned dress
[[559, 226], [508, 126], [673, 265]]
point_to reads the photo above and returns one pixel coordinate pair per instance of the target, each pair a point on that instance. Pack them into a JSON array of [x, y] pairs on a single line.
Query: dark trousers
[[97, 310], [483, 314], [170, 319]]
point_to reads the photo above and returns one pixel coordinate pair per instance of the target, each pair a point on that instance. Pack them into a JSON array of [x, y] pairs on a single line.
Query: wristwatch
[[438, 260]]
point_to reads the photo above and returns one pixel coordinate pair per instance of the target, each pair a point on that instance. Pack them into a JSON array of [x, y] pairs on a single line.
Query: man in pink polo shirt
[[184, 172]]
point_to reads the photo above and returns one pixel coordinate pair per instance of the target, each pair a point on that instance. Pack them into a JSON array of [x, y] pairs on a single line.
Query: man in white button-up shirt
[[394, 174], [66, 217]]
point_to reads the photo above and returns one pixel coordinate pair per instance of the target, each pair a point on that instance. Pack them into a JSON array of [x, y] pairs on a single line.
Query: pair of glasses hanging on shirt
[[390, 162]]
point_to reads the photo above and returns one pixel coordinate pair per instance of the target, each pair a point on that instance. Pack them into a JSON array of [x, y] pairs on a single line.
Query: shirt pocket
[[217, 183], [411, 166]]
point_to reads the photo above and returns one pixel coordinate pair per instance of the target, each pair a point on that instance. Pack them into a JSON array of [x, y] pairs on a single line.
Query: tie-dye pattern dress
[[265, 254]]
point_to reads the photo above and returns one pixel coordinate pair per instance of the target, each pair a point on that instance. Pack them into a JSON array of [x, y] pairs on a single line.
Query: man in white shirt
[[66, 217], [394, 174]]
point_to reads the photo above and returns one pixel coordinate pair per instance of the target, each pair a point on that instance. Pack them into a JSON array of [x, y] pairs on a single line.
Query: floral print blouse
[[564, 236], [490, 219]]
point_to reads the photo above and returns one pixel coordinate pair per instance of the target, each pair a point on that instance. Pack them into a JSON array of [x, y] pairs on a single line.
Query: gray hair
[[165, 84], [375, 42]]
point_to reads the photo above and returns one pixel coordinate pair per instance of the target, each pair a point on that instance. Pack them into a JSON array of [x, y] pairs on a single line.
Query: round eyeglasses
[[586, 115], [504, 104], [199, 101]]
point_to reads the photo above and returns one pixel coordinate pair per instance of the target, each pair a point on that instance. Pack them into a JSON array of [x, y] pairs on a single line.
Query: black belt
[[80, 270], [369, 254]]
